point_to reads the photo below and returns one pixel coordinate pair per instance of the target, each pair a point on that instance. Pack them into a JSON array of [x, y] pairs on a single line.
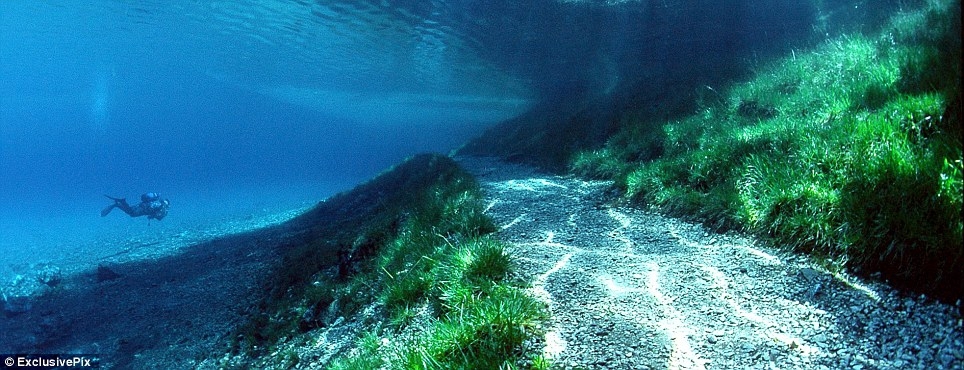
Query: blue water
[[245, 112], [236, 110], [226, 108]]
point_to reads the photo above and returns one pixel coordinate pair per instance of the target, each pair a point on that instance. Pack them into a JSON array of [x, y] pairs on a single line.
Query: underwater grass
[[851, 151], [482, 331], [413, 247], [478, 319]]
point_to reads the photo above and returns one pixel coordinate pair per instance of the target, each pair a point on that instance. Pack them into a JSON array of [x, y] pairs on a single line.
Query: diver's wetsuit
[[151, 205]]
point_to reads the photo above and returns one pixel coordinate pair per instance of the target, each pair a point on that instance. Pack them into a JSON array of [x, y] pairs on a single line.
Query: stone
[[774, 354], [49, 275], [105, 273], [15, 305]]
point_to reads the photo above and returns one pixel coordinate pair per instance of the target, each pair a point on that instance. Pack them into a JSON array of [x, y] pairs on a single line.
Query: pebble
[[820, 338], [774, 354], [750, 299]]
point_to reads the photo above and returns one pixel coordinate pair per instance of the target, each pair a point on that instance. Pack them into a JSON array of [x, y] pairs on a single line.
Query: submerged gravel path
[[630, 289]]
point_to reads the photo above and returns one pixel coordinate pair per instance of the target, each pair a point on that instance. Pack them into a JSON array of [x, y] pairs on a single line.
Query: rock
[[820, 338], [105, 273], [809, 273], [774, 355], [909, 303], [49, 275], [16, 305]]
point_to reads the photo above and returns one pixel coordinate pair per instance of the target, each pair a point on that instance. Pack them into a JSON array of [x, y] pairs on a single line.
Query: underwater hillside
[[849, 149], [548, 184]]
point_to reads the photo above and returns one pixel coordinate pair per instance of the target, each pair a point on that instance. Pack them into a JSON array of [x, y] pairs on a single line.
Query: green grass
[[851, 151], [480, 331], [478, 319], [412, 243]]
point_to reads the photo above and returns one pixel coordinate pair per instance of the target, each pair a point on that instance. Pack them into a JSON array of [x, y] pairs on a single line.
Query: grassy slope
[[411, 243], [851, 151]]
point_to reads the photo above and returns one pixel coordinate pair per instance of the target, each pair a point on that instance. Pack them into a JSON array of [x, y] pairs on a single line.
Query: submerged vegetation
[[407, 255], [851, 151]]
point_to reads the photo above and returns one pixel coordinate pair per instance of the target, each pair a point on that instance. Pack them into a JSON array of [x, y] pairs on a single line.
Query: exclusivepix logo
[[50, 361]]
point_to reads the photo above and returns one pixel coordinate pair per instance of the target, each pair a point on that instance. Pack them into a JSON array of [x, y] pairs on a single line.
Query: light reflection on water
[[369, 49]]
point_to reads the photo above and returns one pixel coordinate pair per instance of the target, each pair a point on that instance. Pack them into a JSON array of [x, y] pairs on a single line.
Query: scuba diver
[[151, 205]]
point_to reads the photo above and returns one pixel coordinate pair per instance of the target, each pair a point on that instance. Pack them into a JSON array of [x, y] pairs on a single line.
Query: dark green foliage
[[412, 240], [753, 110], [485, 261], [479, 320], [346, 232], [904, 201], [482, 331], [412, 262], [406, 289], [851, 151], [639, 142], [482, 321]]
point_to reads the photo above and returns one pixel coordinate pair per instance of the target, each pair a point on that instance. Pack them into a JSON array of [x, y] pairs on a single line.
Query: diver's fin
[[110, 207], [107, 210]]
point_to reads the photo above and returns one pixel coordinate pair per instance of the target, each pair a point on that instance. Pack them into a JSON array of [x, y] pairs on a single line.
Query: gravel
[[632, 289], [156, 304]]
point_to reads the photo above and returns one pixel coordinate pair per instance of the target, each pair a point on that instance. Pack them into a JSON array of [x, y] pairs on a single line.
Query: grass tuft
[[484, 260], [484, 332]]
